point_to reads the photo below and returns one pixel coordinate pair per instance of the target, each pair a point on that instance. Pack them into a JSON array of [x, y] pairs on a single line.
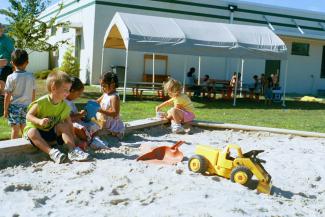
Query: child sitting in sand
[[49, 118], [182, 111], [109, 113], [83, 130]]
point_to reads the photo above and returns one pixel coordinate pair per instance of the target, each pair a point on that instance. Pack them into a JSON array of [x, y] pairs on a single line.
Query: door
[[272, 67], [78, 47]]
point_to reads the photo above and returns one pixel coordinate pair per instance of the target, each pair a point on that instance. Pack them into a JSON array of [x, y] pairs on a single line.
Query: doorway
[[272, 67], [78, 47]]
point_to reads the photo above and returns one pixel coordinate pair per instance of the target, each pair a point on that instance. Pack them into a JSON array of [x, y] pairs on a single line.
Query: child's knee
[[64, 126], [33, 134], [172, 111]]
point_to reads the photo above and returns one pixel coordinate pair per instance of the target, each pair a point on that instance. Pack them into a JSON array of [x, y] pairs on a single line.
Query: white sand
[[114, 184]]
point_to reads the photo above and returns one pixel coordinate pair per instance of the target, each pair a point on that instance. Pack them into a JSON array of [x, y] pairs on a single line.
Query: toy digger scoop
[[163, 155]]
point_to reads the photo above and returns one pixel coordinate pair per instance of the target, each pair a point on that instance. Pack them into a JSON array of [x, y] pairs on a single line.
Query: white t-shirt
[[21, 85], [73, 107]]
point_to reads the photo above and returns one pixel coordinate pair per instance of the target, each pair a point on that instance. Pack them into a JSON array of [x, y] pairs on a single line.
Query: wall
[[37, 61], [304, 71], [81, 16]]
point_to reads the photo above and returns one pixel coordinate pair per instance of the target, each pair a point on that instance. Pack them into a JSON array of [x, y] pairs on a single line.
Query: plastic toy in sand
[[163, 154], [91, 109], [239, 169], [161, 115]]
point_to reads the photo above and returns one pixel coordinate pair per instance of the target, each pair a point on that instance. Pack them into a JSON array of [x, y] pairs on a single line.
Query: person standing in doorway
[[6, 48], [192, 82]]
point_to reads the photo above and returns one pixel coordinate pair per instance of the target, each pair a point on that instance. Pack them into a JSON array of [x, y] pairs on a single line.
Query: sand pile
[[114, 184]]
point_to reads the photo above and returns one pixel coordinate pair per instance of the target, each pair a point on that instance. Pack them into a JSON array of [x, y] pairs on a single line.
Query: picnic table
[[219, 86], [216, 86], [139, 88]]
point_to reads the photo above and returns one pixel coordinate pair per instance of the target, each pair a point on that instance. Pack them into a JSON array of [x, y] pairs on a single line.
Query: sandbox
[[114, 184]]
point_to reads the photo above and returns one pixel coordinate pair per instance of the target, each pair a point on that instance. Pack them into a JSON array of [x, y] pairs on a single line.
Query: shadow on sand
[[278, 192]]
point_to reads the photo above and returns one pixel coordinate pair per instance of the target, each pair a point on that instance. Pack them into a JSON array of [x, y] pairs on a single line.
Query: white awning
[[190, 37]]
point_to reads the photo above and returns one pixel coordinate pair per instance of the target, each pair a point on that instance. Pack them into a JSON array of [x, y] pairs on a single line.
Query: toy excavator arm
[[252, 154], [233, 146]]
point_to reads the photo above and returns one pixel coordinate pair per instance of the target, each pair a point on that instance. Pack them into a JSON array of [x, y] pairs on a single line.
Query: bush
[[70, 64], [42, 74]]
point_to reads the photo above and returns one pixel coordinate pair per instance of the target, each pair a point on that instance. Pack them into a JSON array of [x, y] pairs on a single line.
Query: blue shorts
[[17, 114]]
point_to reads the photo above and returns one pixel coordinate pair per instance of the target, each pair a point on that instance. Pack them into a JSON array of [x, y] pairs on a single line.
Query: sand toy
[[91, 108], [163, 154], [239, 169]]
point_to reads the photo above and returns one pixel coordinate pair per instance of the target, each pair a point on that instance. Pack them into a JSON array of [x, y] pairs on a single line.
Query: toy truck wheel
[[241, 175], [198, 164]]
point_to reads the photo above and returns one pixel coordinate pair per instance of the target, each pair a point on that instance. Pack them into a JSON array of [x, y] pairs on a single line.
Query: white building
[[302, 31]]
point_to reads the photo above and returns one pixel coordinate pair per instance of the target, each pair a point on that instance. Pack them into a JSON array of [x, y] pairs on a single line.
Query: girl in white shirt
[[109, 112]]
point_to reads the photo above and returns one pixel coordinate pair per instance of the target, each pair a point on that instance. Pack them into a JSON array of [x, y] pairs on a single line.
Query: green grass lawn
[[308, 116]]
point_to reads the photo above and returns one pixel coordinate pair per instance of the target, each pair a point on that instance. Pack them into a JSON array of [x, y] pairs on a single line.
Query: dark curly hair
[[109, 78], [76, 84]]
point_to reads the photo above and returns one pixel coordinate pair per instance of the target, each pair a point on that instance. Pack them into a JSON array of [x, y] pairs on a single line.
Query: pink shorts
[[188, 116]]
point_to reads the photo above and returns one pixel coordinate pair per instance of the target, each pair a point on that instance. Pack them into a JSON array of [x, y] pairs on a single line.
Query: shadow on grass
[[207, 103], [248, 104]]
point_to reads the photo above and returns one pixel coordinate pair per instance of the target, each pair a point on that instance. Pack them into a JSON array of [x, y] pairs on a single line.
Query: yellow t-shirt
[[184, 101], [46, 109]]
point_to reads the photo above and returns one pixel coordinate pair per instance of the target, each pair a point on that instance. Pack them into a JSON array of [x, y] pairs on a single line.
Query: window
[[65, 29], [301, 49], [322, 72], [161, 66], [53, 30]]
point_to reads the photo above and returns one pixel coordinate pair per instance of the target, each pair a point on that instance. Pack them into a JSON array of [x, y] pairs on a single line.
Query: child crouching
[[182, 111], [49, 118]]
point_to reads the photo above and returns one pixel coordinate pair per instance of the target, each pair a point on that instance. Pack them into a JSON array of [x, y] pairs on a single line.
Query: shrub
[[42, 74], [70, 64]]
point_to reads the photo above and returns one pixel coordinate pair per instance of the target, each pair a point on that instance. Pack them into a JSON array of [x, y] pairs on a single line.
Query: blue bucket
[[91, 108]]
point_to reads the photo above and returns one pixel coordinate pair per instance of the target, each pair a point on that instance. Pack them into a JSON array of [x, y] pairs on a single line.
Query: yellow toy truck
[[239, 169]]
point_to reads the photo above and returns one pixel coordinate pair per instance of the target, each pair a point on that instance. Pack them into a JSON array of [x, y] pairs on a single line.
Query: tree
[[26, 28], [70, 64]]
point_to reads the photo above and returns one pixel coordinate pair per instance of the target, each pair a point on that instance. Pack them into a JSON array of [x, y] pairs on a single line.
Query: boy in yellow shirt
[[49, 118]]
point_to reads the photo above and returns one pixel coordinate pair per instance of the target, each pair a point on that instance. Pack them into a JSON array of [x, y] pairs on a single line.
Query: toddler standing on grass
[[109, 113], [19, 93], [48, 118], [182, 111]]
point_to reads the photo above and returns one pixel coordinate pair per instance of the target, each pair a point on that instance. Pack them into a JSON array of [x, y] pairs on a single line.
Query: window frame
[[322, 69], [299, 52], [65, 29], [53, 30]]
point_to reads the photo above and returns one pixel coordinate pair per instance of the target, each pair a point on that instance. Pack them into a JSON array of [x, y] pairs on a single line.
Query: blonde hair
[[57, 79], [172, 86]]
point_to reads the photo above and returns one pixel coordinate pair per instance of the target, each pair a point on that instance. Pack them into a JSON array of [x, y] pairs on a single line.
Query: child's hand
[[2, 85], [44, 122], [157, 108], [82, 113]]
